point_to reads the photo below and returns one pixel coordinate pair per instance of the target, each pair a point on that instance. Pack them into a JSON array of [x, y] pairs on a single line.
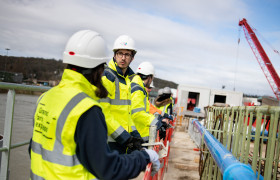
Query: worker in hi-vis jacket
[[140, 101], [164, 101], [154, 110], [122, 133], [70, 135]]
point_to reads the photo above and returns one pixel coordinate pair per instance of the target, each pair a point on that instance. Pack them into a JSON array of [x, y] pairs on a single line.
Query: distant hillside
[[49, 69], [160, 83], [39, 68]]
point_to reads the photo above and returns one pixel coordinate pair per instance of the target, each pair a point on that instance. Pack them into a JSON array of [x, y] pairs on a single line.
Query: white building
[[251, 100], [195, 96]]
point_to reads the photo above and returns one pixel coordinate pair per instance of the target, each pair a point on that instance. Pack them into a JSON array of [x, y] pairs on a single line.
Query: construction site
[[215, 133]]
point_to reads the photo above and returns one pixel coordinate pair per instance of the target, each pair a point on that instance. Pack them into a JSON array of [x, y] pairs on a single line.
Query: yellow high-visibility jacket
[[53, 148], [170, 106], [164, 108], [140, 108], [117, 106]]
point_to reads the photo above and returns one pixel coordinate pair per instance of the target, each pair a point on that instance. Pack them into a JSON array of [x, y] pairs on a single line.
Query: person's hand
[[162, 128], [165, 120], [154, 160], [170, 117], [162, 132], [134, 143]]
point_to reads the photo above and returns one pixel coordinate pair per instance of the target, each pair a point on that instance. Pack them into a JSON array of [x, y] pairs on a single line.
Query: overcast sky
[[190, 42]]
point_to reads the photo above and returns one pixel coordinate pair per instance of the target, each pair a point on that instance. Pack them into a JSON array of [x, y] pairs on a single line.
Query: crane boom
[[262, 58]]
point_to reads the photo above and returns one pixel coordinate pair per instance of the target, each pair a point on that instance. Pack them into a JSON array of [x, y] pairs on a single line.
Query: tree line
[[49, 69]]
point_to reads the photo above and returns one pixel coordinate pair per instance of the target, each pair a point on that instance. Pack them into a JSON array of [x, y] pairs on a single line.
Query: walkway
[[183, 160]]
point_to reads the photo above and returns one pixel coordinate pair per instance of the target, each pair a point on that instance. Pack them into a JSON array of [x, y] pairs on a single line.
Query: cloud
[[189, 42]]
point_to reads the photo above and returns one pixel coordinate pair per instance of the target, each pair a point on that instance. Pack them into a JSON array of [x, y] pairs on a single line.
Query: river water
[[24, 108]]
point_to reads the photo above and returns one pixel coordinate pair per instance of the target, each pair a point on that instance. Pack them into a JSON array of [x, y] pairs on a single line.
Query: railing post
[[6, 146], [152, 135], [1, 145], [7, 133]]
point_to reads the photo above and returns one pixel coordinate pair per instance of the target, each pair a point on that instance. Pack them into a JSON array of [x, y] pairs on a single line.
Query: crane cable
[[237, 56]]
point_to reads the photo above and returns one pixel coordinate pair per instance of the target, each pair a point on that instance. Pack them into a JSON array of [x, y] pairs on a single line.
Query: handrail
[[23, 87], [9, 116], [229, 166]]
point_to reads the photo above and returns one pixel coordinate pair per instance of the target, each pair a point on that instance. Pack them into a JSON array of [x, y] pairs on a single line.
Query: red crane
[[262, 58]]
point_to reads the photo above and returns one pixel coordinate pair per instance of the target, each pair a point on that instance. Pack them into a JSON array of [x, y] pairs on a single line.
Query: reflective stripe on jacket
[[53, 148], [117, 106], [140, 108]]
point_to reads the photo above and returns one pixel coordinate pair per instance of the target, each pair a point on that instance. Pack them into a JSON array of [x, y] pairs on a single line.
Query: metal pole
[[7, 49], [152, 135], [1, 144], [7, 134]]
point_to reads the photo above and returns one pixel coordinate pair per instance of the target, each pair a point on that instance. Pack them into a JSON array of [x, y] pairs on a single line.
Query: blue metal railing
[[228, 165]]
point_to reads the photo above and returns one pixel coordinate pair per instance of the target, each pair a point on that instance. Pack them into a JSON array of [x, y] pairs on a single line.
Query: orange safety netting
[[164, 161]]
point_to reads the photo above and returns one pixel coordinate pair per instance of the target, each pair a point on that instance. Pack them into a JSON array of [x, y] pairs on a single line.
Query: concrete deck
[[183, 160]]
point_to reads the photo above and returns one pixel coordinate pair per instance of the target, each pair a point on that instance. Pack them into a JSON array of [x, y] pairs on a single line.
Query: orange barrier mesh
[[164, 161]]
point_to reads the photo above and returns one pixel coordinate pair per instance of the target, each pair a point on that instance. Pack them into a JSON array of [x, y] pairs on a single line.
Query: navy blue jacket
[[94, 153]]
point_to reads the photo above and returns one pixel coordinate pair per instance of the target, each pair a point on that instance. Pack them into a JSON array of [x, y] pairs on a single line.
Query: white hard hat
[[85, 49], [124, 42], [160, 92], [166, 90], [146, 68]]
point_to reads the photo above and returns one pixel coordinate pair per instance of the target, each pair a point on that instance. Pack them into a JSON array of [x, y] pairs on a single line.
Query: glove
[[154, 160], [159, 123], [135, 133], [161, 127], [162, 133], [134, 143], [170, 117], [162, 130]]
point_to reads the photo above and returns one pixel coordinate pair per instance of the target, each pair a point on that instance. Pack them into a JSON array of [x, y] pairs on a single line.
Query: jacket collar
[[73, 79], [137, 79], [113, 65]]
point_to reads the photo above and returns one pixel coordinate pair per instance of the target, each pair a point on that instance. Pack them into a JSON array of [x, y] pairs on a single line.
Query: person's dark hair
[[94, 76]]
